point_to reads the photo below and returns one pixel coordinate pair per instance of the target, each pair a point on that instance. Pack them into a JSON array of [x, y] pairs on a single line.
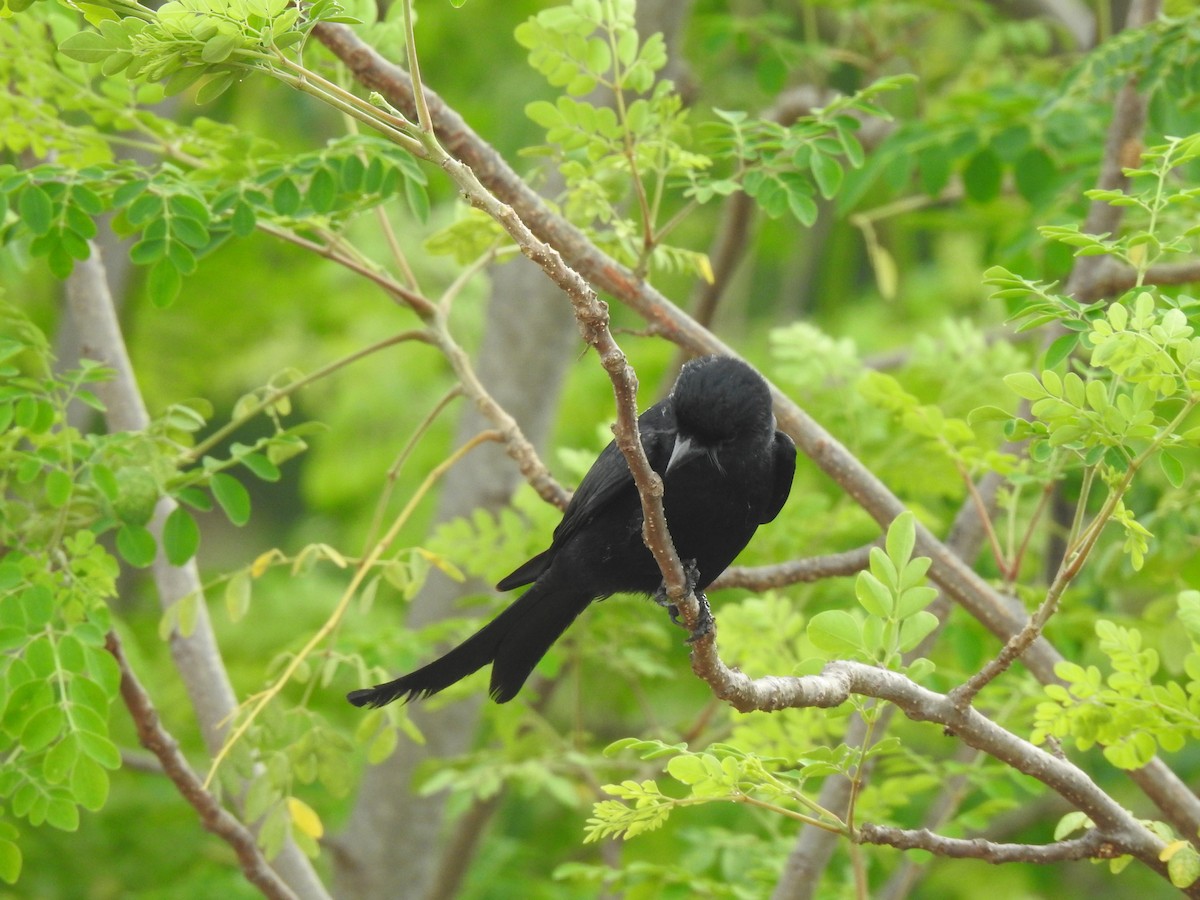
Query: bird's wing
[[607, 479], [784, 451], [609, 475]]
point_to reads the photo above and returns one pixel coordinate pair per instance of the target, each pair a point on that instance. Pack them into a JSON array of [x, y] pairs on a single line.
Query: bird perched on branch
[[725, 470]]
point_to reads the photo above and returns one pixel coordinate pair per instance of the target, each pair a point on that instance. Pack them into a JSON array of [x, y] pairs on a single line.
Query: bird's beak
[[684, 451]]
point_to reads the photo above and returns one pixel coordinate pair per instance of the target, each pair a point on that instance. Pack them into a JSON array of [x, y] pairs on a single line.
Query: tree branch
[[841, 680], [797, 571], [1113, 278], [1092, 845], [213, 816]]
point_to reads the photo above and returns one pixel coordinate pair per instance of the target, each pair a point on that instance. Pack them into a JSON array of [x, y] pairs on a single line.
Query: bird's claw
[[692, 573], [705, 623]]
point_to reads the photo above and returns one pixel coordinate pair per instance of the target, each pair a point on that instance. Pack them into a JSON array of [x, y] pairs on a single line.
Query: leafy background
[[862, 289]]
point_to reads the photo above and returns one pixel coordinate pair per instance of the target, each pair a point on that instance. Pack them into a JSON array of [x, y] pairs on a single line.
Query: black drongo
[[725, 469]]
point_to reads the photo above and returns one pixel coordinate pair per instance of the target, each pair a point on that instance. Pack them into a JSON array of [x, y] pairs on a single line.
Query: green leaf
[[191, 232], [38, 605], [181, 536], [1172, 467], [1060, 349], [185, 613], [874, 596], [1026, 385], [219, 47], [148, 251], [163, 283], [260, 466], [62, 814], [801, 205], [36, 209], [181, 258], [1070, 823], [914, 599], [136, 545], [237, 594], [58, 488], [214, 87], [982, 176], [322, 190], [836, 632], [99, 748], [915, 628], [244, 220], [10, 861], [89, 784], [382, 745], [599, 56], [60, 760], [182, 79], [145, 209], [261, 796], [233, 497], [934, 167], [87, 47], [827, 172], [39, 657], [919, 669], [1035, 174], [89, 694], [46, 725], [105, 481], [687, 770], [286, 197], [901, 538], [988, 414], [417, 199], [1183, 867], [579, 85], [284, 448]]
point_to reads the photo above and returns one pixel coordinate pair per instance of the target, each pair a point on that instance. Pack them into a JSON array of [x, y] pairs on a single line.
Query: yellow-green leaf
[[305, 818]]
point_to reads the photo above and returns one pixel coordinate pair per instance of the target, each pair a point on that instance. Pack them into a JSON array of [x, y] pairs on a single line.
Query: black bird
[[725, 469]]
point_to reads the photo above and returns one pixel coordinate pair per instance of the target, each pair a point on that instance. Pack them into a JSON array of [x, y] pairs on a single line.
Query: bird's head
[[718, 399]]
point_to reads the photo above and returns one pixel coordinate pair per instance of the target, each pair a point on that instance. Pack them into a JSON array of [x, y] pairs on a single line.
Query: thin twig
[[393, 472]]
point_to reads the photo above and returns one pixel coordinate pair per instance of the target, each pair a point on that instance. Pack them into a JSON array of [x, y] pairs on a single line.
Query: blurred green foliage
[[959, 142]]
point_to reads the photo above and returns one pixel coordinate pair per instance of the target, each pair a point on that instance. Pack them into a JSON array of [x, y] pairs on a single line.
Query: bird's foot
[[705, 623], [692, 573]]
